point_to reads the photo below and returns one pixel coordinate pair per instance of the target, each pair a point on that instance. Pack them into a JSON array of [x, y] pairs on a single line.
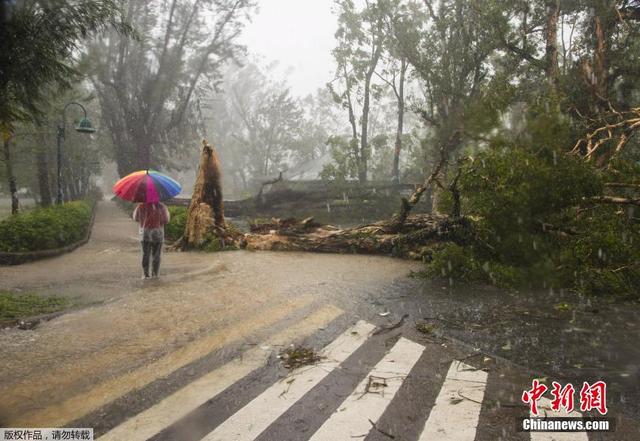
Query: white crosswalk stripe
[[455, 415], [369, 400], [256, 416]]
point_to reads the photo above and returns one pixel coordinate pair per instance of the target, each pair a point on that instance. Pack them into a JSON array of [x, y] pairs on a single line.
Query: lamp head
[[85, 126]]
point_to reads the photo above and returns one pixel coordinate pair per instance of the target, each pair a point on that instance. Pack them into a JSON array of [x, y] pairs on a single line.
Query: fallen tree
[[413, 239]]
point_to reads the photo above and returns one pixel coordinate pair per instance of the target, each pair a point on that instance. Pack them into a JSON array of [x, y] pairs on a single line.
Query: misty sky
[[298, 34]]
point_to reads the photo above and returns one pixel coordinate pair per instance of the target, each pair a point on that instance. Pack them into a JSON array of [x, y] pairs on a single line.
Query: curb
[[8, 259]]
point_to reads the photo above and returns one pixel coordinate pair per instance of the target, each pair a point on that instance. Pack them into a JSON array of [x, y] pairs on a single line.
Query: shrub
[[175, 228], [603, 258], [536, 226], [455, 262], [45, 228], [515, 193]]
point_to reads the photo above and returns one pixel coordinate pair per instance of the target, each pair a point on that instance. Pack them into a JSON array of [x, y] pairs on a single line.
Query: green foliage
[[455, 262], [530, 233], [344, 165], [603, 257], [515, 192], [212, 243], [15, 306], [175, 228], [36, 45], [45, 228]]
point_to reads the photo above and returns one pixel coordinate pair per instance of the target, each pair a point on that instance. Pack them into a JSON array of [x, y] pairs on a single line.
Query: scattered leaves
[[425, 328], [298, 356]]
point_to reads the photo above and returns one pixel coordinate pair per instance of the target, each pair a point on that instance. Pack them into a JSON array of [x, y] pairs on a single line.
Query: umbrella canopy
[[146, 186]]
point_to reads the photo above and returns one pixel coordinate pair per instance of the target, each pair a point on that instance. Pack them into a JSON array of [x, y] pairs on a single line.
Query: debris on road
[[425, 328], [384, 329], [298, 356]]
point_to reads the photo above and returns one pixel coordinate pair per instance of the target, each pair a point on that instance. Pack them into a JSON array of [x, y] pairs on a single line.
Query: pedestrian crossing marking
[[60, 414], [255, 417], [453, 417], [544, 408], [456, 412], [171, 409], [354, 417], [365, 405]]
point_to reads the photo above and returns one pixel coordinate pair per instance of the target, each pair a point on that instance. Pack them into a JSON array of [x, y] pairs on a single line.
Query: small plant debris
[[425, 328], [562, 306], [298, 356]]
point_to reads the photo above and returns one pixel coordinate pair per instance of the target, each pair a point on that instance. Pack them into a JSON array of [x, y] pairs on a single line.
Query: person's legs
[[157, 253], [146, 251]]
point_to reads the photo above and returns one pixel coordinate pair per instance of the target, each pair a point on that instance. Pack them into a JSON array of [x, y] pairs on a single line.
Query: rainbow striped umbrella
[[146, 186]]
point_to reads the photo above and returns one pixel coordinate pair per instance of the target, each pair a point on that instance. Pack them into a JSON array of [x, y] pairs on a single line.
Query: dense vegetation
[[175, 228], [539, 223], [45, 228]]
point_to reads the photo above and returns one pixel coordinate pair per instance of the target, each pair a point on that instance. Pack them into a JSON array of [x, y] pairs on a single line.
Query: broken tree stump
[[205, 215]]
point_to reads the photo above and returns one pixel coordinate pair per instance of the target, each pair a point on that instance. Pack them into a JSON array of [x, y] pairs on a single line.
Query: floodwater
[[123, 323], [559, 334]]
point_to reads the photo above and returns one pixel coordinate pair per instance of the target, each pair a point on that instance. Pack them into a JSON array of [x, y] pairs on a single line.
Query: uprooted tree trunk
[[414, 239], [205, 216]]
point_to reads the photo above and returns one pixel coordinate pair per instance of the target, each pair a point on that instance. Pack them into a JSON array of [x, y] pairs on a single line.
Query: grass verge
[[17, 306]]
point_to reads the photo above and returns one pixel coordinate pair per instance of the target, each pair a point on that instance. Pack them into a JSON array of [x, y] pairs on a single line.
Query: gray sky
[[299, 35]]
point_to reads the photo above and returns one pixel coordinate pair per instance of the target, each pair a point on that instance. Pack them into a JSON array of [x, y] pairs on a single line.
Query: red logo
[[592, 397], [532, 396], [562, 397]]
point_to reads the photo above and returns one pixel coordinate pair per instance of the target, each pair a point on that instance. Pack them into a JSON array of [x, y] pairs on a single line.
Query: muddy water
[[127, 323]]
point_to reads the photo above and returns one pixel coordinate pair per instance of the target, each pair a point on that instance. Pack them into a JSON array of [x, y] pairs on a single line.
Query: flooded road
[[131, 342], [130, 322], [559, 335]]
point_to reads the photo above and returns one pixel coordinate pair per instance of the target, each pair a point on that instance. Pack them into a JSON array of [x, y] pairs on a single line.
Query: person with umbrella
[[149, 188]]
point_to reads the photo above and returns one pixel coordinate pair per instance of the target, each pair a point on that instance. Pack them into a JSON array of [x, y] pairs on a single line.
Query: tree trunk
[[553, 10], [205, 216], [600, 65], [414, 239], [398, 146], [352, 120], [13, 189], [364, 127], [434, 178], [43, 177]]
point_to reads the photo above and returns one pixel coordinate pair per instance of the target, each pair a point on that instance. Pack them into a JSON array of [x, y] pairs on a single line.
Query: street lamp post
[[84, 126]]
